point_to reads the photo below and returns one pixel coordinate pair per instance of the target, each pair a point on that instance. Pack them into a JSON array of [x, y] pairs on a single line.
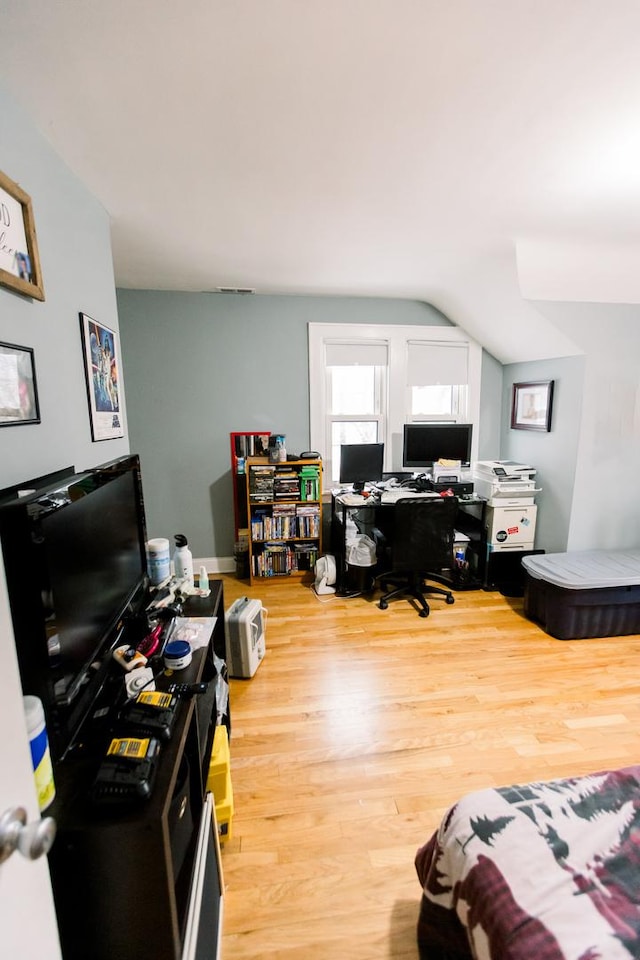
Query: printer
[[501, 481]]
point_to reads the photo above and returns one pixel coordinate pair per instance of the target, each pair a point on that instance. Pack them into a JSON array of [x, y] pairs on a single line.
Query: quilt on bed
[[539, 871]]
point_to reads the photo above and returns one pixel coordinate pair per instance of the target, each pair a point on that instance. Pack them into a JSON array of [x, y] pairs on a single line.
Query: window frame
[[397, 339]]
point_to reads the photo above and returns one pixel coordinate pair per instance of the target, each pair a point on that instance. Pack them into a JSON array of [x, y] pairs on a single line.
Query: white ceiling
[[394, 148]]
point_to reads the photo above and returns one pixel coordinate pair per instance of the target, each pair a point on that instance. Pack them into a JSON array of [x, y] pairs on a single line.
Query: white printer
[[510, 517], [505, 481]]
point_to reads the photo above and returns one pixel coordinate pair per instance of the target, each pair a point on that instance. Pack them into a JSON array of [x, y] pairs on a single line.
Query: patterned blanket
[[540, 871]]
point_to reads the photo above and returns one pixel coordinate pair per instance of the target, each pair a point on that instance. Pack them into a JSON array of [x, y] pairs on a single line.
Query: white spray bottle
[[182, 560]]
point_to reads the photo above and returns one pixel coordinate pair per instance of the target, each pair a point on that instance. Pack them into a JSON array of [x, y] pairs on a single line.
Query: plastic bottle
[[182, 560], [40, 756], [158, 566]]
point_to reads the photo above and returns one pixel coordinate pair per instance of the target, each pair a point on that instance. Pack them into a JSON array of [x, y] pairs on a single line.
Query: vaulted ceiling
[[392, 148]]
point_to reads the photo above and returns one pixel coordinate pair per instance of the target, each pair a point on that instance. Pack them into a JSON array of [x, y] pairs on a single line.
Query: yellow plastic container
[[219, 764], [219, 781], [224, 812]]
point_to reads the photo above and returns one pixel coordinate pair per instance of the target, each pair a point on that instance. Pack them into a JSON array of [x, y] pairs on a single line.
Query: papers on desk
[[196, 630], [391, 495]]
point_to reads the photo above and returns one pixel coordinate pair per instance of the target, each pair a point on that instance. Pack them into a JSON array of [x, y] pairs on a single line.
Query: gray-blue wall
[[75, 252], [199, 366], [553, 454]]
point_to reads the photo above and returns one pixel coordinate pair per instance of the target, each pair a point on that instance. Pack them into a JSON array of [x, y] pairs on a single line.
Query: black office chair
[[422, 543]]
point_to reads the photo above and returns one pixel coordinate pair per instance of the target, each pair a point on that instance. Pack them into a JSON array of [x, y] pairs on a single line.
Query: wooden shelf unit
[[285, 518], [244, 444]]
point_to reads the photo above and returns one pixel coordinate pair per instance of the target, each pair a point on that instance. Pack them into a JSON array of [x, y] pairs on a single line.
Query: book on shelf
[[275, 559], [308, 520], [279, 559], [261, 479], [305, 556], [286, 490], [284, 509], [279, 522], [310, 483]]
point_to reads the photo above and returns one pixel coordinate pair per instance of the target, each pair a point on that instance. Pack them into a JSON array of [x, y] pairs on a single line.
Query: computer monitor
[[426, 443], [361, 463]]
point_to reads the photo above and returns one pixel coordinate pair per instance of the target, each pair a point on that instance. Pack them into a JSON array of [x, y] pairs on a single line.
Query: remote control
[[183, 690]]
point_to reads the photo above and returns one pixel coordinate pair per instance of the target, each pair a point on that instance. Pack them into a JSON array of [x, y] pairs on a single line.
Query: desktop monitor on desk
[[426, 443], [361, 463]]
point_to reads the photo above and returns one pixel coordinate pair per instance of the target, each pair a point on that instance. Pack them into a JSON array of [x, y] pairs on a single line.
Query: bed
[[584, 593], [538, 871]]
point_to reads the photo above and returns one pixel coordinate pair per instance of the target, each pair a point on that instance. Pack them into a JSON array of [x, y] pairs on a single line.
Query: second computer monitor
[[426, 443], [361, 463]]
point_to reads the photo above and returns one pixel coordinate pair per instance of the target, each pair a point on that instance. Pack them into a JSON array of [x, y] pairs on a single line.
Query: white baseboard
[[215, 564]]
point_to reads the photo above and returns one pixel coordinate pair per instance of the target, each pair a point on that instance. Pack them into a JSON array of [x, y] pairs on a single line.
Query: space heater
[[245, 623]]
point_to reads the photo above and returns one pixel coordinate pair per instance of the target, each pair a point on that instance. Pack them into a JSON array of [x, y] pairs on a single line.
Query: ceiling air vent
[[235, 290]]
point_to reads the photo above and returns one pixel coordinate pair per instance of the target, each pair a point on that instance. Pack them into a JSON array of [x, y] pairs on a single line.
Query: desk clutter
[[495, 523], [368, 533]]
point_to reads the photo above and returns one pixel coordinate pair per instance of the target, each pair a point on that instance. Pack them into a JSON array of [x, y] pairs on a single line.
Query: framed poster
[[531, 405], [19, 258], [100, 350], [18, 390]]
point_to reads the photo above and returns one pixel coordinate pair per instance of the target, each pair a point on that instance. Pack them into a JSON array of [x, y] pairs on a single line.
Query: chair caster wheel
[[423, 613], [450, 599], [383, 604]]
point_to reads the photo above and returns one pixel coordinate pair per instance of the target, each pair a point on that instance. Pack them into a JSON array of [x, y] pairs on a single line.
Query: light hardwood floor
[[358, 730]]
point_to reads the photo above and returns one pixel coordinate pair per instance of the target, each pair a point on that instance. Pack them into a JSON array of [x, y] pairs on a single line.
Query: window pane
[[350, 431], [353, 390], [435, 400]]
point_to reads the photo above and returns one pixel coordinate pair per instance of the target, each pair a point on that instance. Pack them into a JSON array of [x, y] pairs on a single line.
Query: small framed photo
[[18, 389], [100, 348], [531, 405], [19, 258]]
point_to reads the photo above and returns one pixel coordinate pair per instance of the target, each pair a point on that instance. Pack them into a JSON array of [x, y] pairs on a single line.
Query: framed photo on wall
[[531, 405], [19, 258], [100, 349], [18, 389]]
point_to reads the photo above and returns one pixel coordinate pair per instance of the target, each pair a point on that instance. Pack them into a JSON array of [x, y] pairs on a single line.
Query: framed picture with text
[[19, 258], [100, 349], [531, 405]]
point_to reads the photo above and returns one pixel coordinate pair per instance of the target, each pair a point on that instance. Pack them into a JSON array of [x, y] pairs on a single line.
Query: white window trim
[[397, 339]]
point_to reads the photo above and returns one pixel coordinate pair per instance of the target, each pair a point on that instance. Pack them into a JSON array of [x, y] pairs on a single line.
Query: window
[[367, 381], [437, 378], [355, 396]]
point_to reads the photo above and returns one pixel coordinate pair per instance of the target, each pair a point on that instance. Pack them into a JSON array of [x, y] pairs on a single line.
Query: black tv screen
[[426, 443], [95, 561], [361, 463]]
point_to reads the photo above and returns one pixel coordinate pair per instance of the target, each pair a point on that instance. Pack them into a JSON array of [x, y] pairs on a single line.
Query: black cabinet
[[471, 522], [122, 876]]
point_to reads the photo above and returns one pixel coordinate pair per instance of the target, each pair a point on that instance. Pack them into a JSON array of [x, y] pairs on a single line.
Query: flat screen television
[[361, 463], [426, 443], [75, 563]]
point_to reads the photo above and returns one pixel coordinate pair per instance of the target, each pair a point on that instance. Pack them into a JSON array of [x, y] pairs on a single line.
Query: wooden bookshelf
[[285, 518]]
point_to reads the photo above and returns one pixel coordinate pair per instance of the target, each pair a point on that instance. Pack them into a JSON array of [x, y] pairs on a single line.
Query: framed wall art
[[19, 258], [100, 351], [531, 405], [18, 389]]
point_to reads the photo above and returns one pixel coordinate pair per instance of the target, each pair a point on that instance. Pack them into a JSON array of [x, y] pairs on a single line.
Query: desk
[[369, 515]]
